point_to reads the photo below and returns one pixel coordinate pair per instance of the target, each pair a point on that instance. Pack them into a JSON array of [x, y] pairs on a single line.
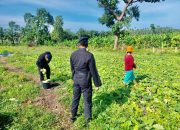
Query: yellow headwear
[[129, 49]]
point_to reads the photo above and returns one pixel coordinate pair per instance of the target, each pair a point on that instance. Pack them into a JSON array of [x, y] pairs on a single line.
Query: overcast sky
[[85, 13]]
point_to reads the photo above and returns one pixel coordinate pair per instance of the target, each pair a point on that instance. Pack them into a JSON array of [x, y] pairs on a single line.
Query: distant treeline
[[139, 41], [154, 30], [43, 29]]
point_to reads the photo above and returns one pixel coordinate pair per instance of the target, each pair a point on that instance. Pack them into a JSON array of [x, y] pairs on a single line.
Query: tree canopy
[[57, 34], [13, 32], [1, 35], [36, 29], [116, 18]]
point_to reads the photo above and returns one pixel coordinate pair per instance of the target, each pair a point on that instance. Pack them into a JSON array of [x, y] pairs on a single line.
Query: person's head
[[83, 41], [129, 49], [48, 56]]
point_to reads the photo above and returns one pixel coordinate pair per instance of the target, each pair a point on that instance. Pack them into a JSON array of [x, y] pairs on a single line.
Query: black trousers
[[87, 94], [48, 72]]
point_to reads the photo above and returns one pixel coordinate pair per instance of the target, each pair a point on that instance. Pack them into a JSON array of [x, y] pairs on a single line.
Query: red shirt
[[129, 62]]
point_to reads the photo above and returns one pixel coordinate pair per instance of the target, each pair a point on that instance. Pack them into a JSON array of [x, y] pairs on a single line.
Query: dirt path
[[47, 99]]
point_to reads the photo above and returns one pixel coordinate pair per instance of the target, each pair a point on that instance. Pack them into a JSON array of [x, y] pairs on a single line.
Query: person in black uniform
[[43, 66], [83, 68]]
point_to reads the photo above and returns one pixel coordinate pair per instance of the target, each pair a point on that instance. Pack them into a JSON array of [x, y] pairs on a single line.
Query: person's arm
[[94, 72], [39, 64], [134, 65], [72, 67], [40, 61]]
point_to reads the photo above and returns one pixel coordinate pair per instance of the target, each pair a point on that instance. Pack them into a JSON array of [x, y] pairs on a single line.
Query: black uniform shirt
[[83, 67], [41, 62]]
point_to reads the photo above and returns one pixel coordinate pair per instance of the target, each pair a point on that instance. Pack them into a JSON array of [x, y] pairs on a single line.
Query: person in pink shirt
[[129, 65]]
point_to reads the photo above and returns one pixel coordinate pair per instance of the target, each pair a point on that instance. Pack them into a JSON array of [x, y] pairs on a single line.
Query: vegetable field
[[154, 104]]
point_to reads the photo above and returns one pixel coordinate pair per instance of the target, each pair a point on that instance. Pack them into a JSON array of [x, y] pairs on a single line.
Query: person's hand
[[43, 71], [72, 82], [48, 80], [97, 88]]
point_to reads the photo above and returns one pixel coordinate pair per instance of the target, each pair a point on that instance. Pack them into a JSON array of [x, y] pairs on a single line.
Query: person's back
[[129, 62], [81, 60], [83, 67]]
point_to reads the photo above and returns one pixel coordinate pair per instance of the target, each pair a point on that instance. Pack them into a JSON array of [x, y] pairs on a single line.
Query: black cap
[[49, 56], [83, 40]]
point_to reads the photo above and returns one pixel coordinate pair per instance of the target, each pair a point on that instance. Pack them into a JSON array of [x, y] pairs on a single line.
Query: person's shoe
[[87, 121], [73, 119]]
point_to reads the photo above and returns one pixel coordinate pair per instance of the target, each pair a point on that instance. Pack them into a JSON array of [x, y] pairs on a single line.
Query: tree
[[13, 32], [1, 34], [57, 34], [81, 32], [117, 19], [43, 19], [153, 28], [68, 35], [90, 33], [93, 33], [29, 32], [36, 29]]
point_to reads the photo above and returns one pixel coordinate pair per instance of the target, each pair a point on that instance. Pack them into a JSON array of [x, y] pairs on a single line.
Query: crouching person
[[43, 66], [83, 69]]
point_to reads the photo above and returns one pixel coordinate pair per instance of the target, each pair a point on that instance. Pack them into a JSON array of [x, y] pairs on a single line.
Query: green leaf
[[158, 127]]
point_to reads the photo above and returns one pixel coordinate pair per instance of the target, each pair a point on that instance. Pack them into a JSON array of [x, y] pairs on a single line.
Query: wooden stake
[[176, 50]]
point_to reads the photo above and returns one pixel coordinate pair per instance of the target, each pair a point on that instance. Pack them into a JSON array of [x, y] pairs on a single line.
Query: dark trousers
[[48, 72], [87, 94]]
